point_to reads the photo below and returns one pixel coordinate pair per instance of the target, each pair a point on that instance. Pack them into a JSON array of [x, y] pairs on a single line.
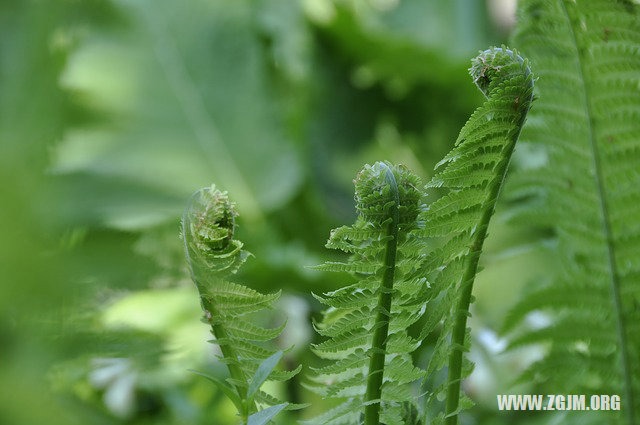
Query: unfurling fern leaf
[[473, 174], [213, 255], [366, 322], [587, 123]]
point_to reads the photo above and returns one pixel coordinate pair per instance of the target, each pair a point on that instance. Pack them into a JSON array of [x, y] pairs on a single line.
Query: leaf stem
[[454, 376], [231, 356], [218, 331], [373, 394]]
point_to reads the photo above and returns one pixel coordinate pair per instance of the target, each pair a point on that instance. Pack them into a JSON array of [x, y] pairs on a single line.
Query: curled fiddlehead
[[213, 255], [208, 227], [366, 322], [472, 175]]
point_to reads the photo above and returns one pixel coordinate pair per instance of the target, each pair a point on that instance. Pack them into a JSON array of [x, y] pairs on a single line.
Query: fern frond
[[456, 224], [366, 325], [587, 124], [213, 255]]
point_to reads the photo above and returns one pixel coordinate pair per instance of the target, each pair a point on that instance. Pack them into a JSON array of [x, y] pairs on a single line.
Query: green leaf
[[208, 229], [264, 416], [262, 373], [472, 174]]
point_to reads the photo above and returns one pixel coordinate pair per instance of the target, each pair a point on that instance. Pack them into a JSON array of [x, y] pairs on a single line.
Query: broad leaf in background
[[188, 101]]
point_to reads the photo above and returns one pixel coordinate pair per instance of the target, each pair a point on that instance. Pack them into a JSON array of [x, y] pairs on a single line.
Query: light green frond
[[232, 299], [355, 319], [246, 330], [336, 347], [213, 256], [366, 325], [359, 299], [587, 125], [456, 224]]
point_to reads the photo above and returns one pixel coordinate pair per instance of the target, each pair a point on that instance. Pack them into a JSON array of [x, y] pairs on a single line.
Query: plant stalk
[[379, 343], [218, 331], [454, 376]]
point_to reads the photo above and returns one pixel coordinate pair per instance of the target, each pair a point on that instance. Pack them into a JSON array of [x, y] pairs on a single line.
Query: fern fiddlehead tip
[[374, 192], [489, 68], [212, 217], [208, 228]]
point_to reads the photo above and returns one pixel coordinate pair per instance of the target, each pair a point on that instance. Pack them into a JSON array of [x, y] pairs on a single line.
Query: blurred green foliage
[[113, 112]]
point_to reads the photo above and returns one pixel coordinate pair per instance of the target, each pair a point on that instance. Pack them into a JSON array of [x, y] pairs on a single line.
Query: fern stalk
[[224, 226], [471, 270], [231, 356], [486, 66], [456, 224], [379, 343], [213, 256], [366, 322]]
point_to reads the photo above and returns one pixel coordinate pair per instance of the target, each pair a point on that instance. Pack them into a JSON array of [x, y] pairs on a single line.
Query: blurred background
[[113, 112]]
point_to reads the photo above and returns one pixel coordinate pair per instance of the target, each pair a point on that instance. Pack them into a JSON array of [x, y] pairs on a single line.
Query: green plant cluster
[[494, 246], [410, 261]]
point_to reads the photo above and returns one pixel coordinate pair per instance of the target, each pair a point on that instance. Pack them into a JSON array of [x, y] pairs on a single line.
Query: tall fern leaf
[[366, 322], [213, 255], [456, 224], [587, 123]]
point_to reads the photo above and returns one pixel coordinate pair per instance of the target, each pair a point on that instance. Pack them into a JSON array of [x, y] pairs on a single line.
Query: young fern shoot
[[213, 255], [473, 174], [366, 322]]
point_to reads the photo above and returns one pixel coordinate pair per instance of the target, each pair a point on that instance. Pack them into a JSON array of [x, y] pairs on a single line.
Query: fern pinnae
[[606, 229], [587, 124], [213, 255], [366, 323], [472, 174]]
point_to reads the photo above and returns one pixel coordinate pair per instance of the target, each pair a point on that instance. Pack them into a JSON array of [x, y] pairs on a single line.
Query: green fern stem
[[366, 322], [462, 308], [488, 70], [208, 226], [231, 356], [379, 342], [220, 333]]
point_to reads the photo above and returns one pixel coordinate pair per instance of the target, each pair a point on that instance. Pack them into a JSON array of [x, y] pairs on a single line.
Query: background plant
[[586, 190]]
